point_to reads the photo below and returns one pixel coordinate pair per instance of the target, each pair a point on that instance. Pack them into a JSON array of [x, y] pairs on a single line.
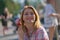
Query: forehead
[[28, 10]]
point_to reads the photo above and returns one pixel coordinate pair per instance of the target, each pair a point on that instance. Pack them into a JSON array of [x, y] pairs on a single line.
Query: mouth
[[29, 18]]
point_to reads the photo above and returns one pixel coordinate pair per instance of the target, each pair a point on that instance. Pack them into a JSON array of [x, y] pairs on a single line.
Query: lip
[[29, 18]]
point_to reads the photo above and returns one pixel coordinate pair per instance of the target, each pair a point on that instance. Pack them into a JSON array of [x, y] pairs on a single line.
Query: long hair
[[37, 19]]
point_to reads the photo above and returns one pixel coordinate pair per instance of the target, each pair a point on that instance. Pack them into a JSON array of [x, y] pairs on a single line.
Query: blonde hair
[[37, 22]]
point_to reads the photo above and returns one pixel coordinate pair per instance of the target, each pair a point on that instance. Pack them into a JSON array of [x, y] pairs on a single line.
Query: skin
[[29, 18]]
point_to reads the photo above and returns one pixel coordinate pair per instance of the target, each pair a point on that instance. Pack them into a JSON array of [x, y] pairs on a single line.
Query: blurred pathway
[[9, 33]]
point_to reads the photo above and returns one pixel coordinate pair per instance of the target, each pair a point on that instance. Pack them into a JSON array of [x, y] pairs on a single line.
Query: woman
[[4, 20], [31, 28]]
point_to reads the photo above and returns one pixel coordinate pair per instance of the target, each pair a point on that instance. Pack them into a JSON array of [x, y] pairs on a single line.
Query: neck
[[29, 27]]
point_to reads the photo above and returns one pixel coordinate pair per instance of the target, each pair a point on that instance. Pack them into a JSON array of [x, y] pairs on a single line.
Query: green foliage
[[26, 2], [2, 5], [13, 7], [35, 3]]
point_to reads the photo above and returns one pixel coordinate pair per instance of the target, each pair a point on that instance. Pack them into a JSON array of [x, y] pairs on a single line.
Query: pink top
[[40, 34]]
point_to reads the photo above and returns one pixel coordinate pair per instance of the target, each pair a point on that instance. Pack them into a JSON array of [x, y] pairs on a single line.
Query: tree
[[2, 6], [36, 4], [13, 7], [26, 2]]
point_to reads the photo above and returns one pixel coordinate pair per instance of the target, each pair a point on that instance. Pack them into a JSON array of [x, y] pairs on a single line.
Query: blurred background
[[14, 8]]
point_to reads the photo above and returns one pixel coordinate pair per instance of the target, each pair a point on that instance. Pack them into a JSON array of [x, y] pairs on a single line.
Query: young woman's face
[[29, 16]]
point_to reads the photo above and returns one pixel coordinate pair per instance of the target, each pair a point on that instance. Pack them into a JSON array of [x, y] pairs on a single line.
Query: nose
[[29, 15]]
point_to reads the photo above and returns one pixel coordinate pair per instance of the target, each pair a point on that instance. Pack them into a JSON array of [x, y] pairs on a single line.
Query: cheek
[[34, 17], [23, 18]]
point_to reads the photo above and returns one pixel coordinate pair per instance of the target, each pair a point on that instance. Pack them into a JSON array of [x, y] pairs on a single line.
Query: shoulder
[[41, 30], [49, 6], [42, 34]]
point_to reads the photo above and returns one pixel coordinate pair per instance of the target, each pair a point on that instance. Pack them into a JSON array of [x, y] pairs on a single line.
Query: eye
[[32, 13], [26, 14]]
